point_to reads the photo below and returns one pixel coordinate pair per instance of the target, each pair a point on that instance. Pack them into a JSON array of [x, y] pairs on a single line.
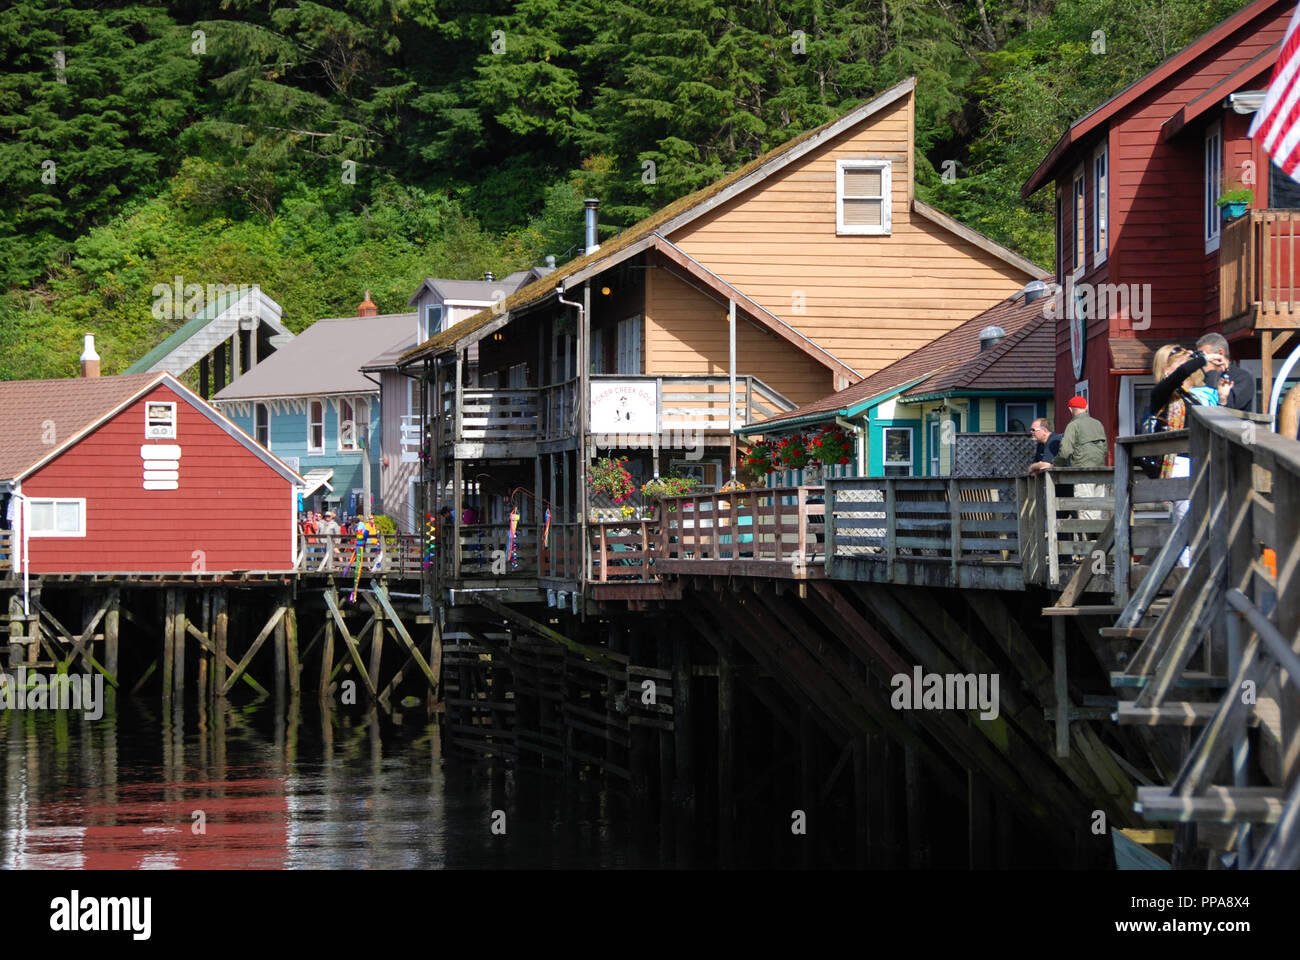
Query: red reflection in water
[[147, 827]]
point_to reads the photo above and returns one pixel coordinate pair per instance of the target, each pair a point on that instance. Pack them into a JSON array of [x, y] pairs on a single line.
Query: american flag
[[1277, 122]]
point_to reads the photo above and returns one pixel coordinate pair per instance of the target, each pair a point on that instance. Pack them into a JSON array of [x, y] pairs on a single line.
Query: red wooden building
[[1143, 251], [135, 474]]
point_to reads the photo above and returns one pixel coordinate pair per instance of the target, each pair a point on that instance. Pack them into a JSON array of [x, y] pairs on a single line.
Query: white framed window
[[56, 518], [518, 376], [354, 425], [1020, 416], [898, 451], [262, 424], [1081, 390], [1134, 399], [862, 197], [627, 336], [1080, 259], [432, 321], [597, 351], [1100, 204], [160, 421], [316, 427], [1213, 180]]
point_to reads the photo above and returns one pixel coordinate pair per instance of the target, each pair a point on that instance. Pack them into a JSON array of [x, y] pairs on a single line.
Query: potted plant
[[1234, 202], [609, 476], [760, 460], [830, 445], [661, 487]]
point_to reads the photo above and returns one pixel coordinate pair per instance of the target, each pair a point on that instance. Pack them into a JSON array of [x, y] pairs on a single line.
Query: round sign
[[1078, 339]]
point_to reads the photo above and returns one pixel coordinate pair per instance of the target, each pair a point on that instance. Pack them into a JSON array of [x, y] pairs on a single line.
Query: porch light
[[605, 291], [498, 336]]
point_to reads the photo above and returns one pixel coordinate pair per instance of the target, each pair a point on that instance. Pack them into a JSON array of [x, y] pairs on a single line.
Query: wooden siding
[[686, 333], [394, 479], [868, 300], [1155, 220], [231, 505]]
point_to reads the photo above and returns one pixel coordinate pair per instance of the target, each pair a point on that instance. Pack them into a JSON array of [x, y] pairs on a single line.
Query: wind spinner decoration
[[512, 548], [430, 540]]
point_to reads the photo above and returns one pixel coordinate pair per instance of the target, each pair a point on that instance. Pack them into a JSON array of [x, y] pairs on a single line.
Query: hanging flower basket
[[830, 445], [609, 476]]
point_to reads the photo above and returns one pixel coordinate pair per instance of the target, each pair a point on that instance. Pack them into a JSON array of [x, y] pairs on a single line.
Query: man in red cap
[[1083, 445], [1084, 441]]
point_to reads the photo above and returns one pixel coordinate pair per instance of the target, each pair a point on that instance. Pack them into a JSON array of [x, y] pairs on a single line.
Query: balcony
[[1258, 289]]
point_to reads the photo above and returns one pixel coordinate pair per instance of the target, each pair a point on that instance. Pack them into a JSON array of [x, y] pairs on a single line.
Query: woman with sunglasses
[[1180, 381]]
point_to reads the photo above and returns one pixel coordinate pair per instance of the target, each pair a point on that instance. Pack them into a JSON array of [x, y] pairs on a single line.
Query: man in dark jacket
[[1242, 396], [1047, 445]]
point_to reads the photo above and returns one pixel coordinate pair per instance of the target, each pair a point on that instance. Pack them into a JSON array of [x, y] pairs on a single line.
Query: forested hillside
[[319, 148]]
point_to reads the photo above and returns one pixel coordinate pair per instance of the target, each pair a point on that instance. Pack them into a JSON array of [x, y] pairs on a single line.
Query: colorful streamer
[[546, 529], [512, 547]]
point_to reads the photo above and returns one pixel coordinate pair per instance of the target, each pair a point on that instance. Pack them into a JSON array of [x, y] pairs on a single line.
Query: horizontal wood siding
[[394, 492], [231, 505], [867, 299], [686, 333]]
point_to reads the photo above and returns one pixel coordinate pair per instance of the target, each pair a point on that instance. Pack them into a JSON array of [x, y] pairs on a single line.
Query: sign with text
[[624, 406]]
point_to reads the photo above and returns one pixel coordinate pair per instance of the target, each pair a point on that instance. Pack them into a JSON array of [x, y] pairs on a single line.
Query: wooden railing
[[497, 416], [1078, 507], [1232, 624], [412, 438], [561, 556], [392, 554], [1257, 270], [558, 411], [782, 526], [485, 550], [8, 557], [699, 402], [623, 550]]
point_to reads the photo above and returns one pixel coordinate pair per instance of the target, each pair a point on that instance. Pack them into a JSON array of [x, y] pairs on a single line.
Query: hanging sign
[[624, 406]]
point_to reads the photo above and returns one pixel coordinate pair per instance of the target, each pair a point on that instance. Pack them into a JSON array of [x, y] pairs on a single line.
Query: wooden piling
[[683, 745], [291, 650], [169, 644], [178, 648], [280, 644], [326, 662], [220, 628], [726, 757]]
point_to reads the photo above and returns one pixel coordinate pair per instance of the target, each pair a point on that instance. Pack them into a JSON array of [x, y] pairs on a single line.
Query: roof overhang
[[1081, 129], [1217, 94]]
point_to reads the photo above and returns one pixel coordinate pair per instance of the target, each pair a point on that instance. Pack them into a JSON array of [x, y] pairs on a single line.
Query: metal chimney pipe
[[591, 204]]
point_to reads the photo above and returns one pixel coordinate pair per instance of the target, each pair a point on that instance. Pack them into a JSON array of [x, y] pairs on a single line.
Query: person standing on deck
[[1242, 395], [1083, 445]]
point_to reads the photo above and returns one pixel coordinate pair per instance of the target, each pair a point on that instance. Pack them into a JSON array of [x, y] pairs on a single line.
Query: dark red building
[[1144, 253], [136, 473]]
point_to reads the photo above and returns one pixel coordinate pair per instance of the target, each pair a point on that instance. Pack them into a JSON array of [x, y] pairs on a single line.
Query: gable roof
[[211, 326], [323, 360], [1081, 128], [655, 229], [1211, 98], [470, 291], [953, 362], [77, 406]]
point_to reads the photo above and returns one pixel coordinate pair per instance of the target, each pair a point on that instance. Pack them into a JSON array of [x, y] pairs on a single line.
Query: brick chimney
[[89, 358], [367, 308]]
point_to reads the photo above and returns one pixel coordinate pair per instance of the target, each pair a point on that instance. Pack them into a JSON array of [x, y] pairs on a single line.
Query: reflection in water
[[259, 787]]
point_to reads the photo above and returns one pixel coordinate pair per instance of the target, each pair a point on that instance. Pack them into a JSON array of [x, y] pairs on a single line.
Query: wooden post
[[861, 805], [918, 850], [683, 744], [279, 643], [954, 525], [178, 647], [169, 643], [1266, 366], [1123, 546], [291, 648], [726, 757], [205, 621], [376, 643], [1062, 687], [112, 623], [220, 627], [1049, 521], [327, 661]]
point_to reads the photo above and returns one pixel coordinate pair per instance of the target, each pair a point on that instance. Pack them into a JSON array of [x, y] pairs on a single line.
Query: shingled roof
[[323, 360], [37, 416], [955, 362]]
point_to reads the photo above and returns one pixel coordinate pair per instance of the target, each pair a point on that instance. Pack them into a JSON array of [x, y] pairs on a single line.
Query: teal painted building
[[992, 374]]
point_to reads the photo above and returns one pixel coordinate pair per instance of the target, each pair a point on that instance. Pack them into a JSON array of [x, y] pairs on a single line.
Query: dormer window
[[432, 321], [862, 192]]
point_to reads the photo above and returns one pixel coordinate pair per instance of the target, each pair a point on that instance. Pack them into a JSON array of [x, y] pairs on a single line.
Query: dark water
[[258, 787]]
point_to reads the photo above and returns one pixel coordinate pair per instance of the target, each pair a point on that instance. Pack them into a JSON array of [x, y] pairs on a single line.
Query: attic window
[[862, 191], [160, 421]]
